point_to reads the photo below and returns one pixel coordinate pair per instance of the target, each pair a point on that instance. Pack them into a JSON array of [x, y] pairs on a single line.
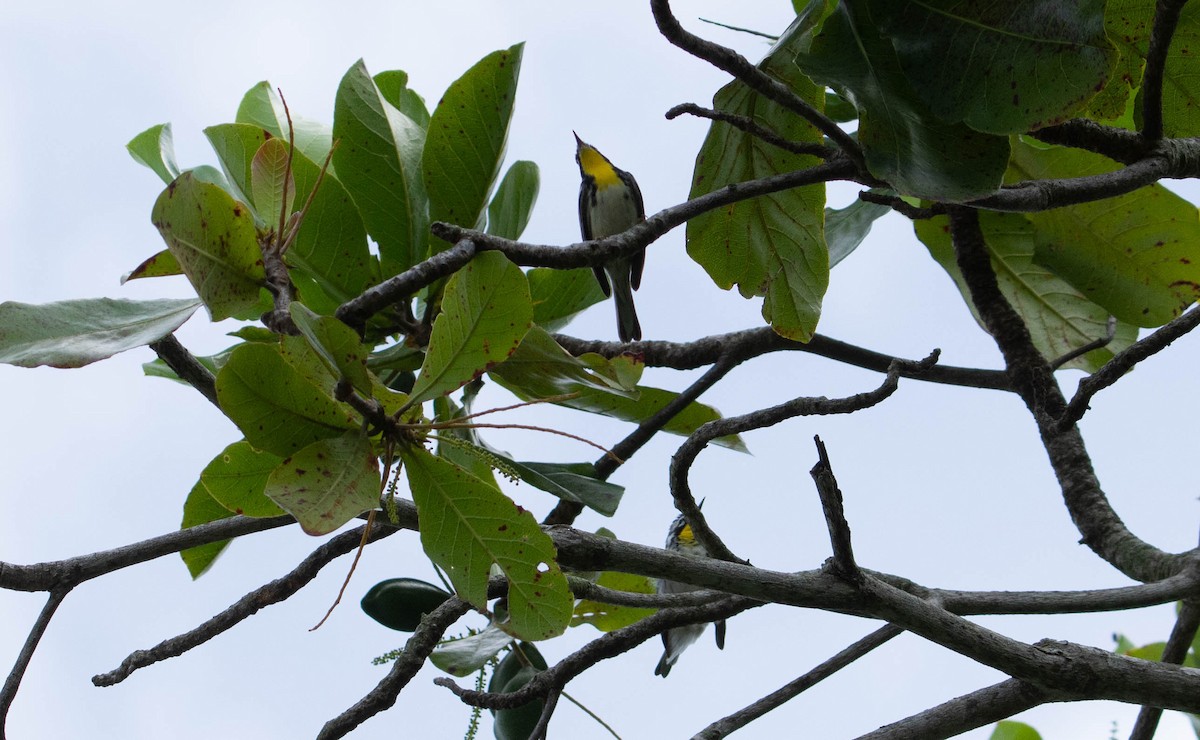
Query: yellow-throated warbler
[[675, 641], [609, 203]]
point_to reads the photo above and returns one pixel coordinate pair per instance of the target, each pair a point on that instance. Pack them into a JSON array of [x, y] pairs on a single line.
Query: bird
[[610, 202], [682, 540]]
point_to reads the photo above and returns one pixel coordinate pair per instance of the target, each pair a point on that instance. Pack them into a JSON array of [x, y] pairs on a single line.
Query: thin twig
[[1176, 649], [835, 516], [1110, 332], [13, 682], [543, 723], [901, 206], [739, 29], [754, 128], [186, 366], [791, 690]]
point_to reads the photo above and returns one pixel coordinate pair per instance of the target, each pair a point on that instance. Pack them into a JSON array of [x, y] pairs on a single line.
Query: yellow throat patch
[[597, 167]]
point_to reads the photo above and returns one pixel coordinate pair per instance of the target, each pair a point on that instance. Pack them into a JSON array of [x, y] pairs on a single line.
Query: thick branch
[[1166, 19], [1118, 144], [416, 651], [186, 366], [957, 716], [245, 607]]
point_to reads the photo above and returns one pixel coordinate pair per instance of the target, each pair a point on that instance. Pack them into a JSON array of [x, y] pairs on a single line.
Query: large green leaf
[[80, 332], [575, 482], [466, 139], [905, 144], [541, 368], [773, 245], [468, 525], [202, 508], [609, 617], [558, 295], [327, 483], [393, 85], [509, 211], [235, 145], [236, 479], [1134, 254], [1003, 68], [155, 148], [1060, 318], [1129, 23], [463, 656], [337, 345], [846, 228], [486, 311], [272, 186], [213, 238], [274, 404], [378, 158], [262, 107]]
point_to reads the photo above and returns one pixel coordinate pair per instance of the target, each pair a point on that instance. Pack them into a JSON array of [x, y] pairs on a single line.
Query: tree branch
[[835, 516], [1174, 653], [13, 682], [186, 366], [245, 607], [957, 716], [1166, 19], [754, 128]]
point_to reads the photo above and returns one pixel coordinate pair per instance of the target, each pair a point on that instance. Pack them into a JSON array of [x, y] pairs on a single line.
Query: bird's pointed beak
[[578, 141]]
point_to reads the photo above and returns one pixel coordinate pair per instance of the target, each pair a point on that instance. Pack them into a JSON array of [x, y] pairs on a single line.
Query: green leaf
[[541, 368], [155, 148], [486, 311], [237, 477], [327, 483], [846, 228], [464, 656], [159, 265], [274, 404], [379, 161], [80, 332], [262, 107], [1060, 319], [648, 402], [1010, 730], [773, 245], [201, 508], [272, 186], [399, 603], [467, 525], [572, 482], [467, 134], [558, 295], [609, 617], [235, 145], [1129, 23], [1002, 68], [393, 85], [509, 211], [213, 238], [337, 345], [1133, 254], [904, 143]]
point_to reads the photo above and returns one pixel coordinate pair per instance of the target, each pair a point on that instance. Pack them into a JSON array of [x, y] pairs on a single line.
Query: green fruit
[[400, 603], [511, 664], [518, 723]]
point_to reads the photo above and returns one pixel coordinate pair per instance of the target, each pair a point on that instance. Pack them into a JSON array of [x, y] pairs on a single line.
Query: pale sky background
[[946, 486]]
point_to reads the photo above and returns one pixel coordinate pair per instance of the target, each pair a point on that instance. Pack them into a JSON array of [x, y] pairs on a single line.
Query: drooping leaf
[[201, 508], [467, 135], [213, 238], [486, 311], [80, 332], [575, 482], [846, 228], [272, 186], [393, 85], [773, 245], [509, 211], [609, 617], [1133, 254], [464, 656], [541, 368], [155, 148], [1002, 68], [237, 477], [336, 344], [558, 295], [379, 161], [327, 483], [467, 525], [277, 408], [159, 265], [904, 143], [1060, 318]]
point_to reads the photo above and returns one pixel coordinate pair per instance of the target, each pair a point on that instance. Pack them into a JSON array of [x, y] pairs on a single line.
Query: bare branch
[[1180, 641], [1124, 361], [754, 128], [735, 64], [13, 682], [1118, 144], [1110, 332], [416, 650], [1166, 19], [245, 607], [901, 206], [956, 716], [186, 366], [835, 516], [791, 690]]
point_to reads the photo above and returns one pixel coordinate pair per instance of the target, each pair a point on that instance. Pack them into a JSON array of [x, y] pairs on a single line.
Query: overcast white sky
[[946, 486]]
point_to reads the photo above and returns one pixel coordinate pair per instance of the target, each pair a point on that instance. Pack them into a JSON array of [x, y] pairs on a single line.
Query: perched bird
[[609, 203], [676, 640]]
